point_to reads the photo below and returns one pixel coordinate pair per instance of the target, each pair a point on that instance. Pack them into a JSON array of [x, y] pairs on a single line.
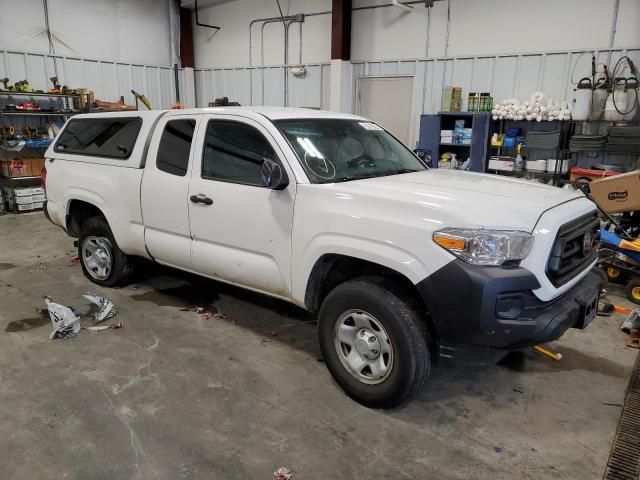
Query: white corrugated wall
[[109, 80]]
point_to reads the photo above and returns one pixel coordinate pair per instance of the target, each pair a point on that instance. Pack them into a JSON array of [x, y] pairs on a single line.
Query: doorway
[[387, 101]]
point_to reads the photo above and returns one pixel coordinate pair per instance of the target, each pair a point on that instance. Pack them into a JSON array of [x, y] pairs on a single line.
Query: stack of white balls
[[538, 107]]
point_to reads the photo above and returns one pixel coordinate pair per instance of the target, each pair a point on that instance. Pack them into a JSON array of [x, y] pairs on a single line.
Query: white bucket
[[632, 104], [611, 113], [581, 104], [598, 103]]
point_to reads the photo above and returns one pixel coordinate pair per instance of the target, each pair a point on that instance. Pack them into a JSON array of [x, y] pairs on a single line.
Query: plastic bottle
[[471, 105], [518, 165]]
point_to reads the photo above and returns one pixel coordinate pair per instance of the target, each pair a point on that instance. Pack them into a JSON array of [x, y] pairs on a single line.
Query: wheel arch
[[330, 270], [78, 212]]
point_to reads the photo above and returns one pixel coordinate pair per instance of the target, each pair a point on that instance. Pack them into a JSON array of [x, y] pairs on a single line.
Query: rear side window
[[175, 147], [103, 137], [233, 152]]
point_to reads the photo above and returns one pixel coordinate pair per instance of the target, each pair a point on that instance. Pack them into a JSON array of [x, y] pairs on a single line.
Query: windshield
[[333, 150]]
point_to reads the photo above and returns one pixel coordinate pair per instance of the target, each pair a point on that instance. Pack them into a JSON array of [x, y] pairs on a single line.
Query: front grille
[[572, 252], [624, 459]]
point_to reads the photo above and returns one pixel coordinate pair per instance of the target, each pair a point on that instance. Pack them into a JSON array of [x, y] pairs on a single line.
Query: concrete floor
[[175, 396]]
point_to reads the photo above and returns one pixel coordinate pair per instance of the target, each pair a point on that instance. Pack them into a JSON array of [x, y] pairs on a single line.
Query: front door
[[241, 231]]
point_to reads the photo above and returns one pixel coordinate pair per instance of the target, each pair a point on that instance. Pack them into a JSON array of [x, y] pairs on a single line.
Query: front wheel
[[101, 259], [374, 343]]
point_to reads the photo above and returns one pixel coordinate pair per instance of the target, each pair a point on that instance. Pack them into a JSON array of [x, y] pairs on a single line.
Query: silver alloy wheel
[[97, 257], [363, 346]]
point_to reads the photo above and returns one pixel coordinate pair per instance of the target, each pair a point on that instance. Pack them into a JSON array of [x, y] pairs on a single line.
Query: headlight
[[485, 247]]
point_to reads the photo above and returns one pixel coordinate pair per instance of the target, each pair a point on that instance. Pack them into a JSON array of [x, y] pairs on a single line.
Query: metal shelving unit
[[64, 111], [560, 151], [475, 151]]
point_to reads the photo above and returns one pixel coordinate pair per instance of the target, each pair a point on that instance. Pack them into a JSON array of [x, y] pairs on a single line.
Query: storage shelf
[[603, 152], [524, 173], [468, 145], [39, 114], [33, 94], [466, 114], [525, 148], [32, 177]]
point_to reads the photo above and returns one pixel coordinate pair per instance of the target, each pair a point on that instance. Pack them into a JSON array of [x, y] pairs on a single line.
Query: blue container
[[512, 132], [509, 142]]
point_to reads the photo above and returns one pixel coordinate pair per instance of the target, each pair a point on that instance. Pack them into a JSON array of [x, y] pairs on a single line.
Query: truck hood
[[461, 199]]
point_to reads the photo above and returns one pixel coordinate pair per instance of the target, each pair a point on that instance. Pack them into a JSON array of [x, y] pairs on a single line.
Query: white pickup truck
[[403, 264]]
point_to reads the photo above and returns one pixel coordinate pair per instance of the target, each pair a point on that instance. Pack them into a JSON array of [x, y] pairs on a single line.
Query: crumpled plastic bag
[[66, 324], [105, 310], [632, 322]]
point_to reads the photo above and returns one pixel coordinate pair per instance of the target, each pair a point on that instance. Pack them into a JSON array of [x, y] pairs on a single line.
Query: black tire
[[406, 331], [121, 265], [632, 290]]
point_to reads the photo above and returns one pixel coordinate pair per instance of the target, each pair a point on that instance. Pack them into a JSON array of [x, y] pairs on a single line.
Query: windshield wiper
[[376, 174]]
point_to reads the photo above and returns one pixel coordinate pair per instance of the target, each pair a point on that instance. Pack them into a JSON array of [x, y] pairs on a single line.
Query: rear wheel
[[101, 260], [373, 343], [632, 290]]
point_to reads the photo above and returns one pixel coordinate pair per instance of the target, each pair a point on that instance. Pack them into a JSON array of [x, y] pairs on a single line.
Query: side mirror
[[272, 175]]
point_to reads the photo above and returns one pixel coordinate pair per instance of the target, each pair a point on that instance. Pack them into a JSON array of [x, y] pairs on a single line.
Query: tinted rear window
[[103, 137]]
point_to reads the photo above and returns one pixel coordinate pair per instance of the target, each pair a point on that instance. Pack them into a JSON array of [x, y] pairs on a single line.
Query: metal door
[[387, 101]]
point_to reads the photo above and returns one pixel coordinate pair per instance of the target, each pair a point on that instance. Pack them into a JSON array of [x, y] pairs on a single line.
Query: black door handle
[[200, 198]]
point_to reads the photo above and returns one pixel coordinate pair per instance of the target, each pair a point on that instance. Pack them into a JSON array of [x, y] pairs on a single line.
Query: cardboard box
[[37, 164], [18, 198], [16, 168], [25, 207], [501, 163], [38, 195], [451, 99], [536, 165], [620, 193]]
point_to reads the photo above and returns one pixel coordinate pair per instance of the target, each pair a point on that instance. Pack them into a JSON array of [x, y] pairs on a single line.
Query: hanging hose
[[573, 70]]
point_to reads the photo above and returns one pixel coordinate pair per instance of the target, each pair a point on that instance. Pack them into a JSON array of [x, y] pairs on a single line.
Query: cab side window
[[175, 147], [233, 152]]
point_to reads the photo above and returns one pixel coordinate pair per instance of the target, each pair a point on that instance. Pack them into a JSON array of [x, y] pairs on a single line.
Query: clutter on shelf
[[24, 199], [612, 97], [538, 107]]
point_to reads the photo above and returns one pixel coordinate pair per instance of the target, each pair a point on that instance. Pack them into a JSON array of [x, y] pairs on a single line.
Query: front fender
[[387, 255]]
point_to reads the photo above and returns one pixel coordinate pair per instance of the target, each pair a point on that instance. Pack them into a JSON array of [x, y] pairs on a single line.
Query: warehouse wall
[[229, 47], [130, 31], [477, 27], [492, 26]]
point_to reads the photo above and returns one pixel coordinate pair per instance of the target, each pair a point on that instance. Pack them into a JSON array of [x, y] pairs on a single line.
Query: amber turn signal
[[450, 243]]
